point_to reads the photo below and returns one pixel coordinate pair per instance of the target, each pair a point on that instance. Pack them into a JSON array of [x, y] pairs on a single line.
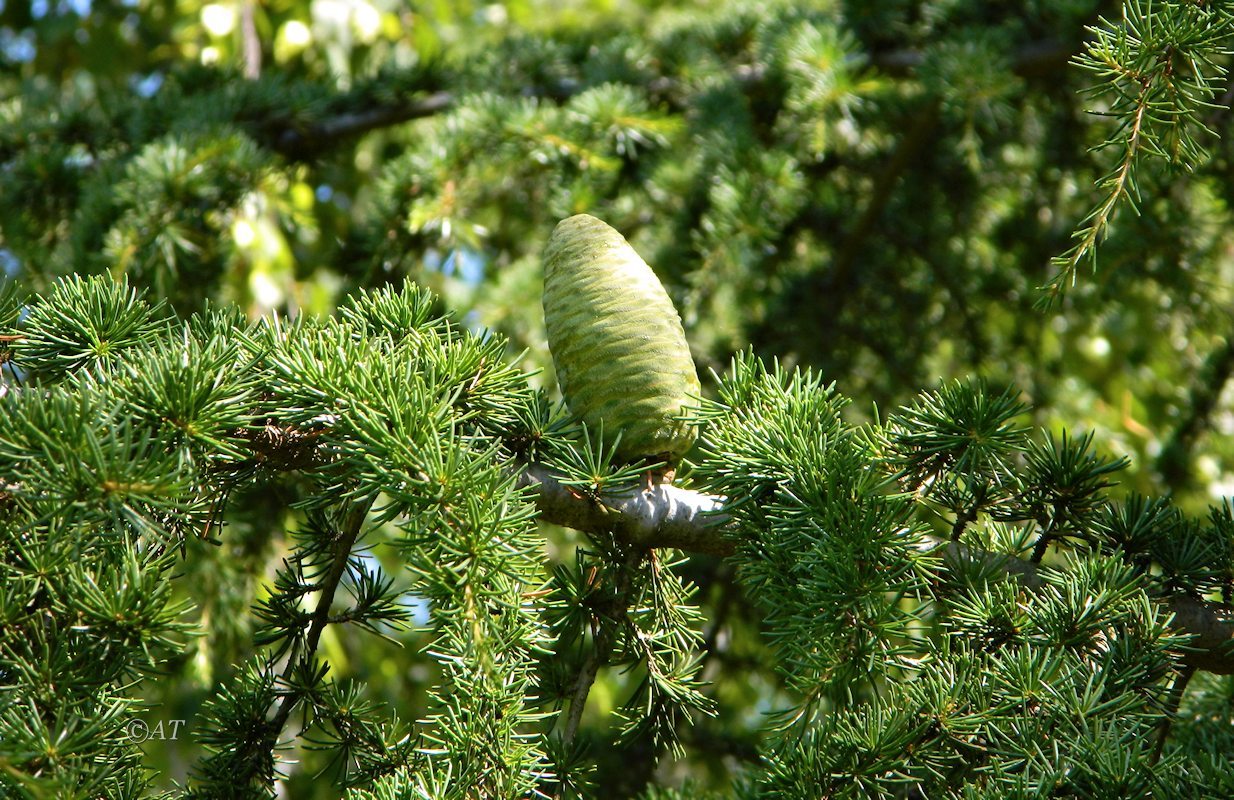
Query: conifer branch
[[251, 41], [1211, 624], [347, 535], [329, 130], [1118, 184], [601, 651], [1034, 59], [663, 516], [582, 687], [1175, 699], [669, 516]]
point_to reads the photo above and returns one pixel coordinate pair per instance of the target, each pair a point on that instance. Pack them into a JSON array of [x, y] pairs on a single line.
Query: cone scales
[[617, 342]]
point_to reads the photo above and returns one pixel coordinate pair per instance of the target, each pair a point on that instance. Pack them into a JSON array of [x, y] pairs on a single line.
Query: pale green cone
[[617, 343]]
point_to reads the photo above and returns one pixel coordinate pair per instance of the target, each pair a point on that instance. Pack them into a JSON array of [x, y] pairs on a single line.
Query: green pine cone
[[617, 343]]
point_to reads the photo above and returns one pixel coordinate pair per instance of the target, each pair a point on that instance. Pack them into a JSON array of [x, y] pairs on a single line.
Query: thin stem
[[719, 617], [578, 699], [1048, 530], [348, 534], [961, 522], [1171, 710], [1042, 545], [1118, 184], [602, 645], [251, 39], [305, 142], [969, 514]]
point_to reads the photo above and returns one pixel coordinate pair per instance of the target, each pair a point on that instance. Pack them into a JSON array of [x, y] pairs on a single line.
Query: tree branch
[[328, 585], [252, 41], [601, 647], [578, 698], [301, 142], [669, 516], [663, 516], [1177, 690], [1035, 59]]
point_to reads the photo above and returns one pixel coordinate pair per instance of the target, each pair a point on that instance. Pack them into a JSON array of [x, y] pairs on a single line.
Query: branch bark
[[669, 516], [251, 40], [328, 585], [299, 143], [663, 516], [1039, 59], [1034, 59]]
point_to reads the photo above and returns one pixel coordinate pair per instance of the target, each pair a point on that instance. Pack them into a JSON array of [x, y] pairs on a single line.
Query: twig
[[1118, 185], [1171, 709], [1039, 550], [1211, 625], [350, 531], [969, 514], [602, 645], [578, 699], [298, 142], [724, 604], [1032, 60], [251, 41]]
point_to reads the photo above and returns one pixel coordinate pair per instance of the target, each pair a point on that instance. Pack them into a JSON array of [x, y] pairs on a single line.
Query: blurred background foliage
[[873, 189]]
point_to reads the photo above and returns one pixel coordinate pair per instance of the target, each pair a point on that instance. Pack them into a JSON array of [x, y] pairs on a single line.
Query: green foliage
[[874, 191], [86, 325], [817, 532], [925, 671], [133, 428], [388, 408], [264, 437], [84, 615], [941, 677], [1160, 67]]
